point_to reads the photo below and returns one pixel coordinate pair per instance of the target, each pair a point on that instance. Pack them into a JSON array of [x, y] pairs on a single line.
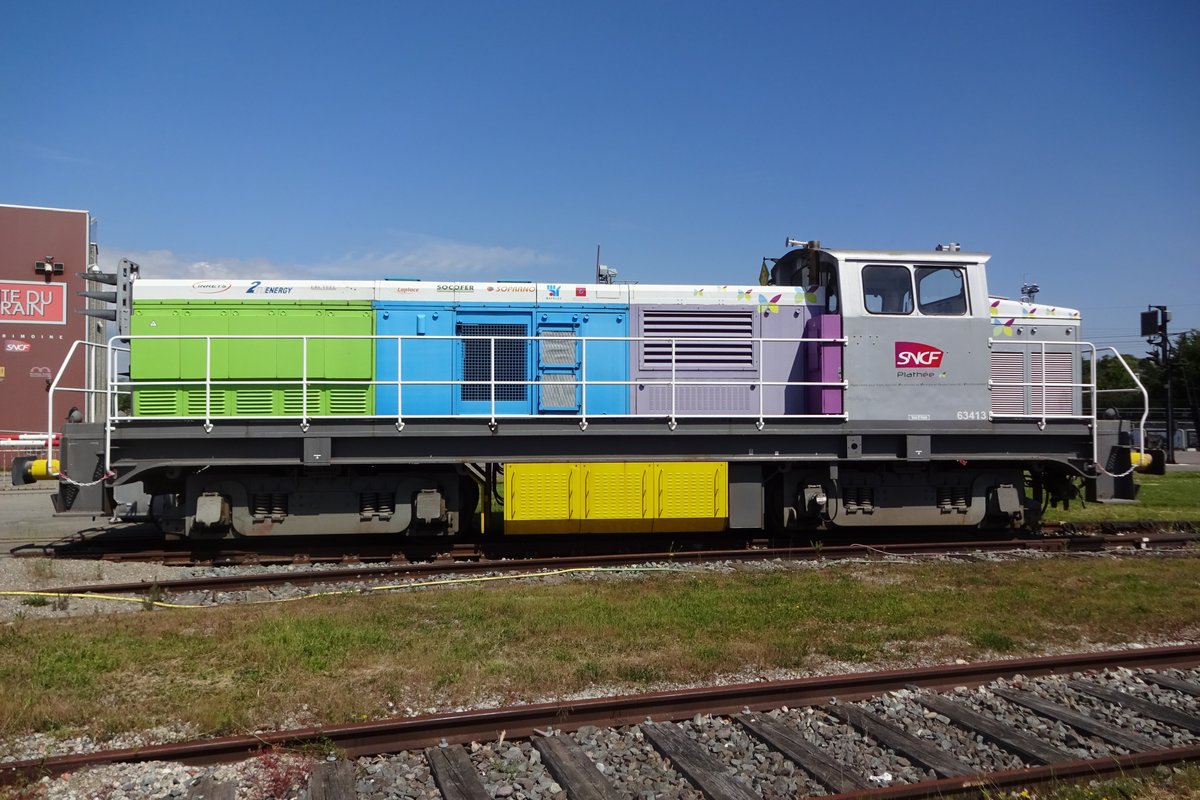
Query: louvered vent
[[293, 400], [1058, 370], [216, 403], [156, 402], [253, 402], [1008, 367], [702, 338]]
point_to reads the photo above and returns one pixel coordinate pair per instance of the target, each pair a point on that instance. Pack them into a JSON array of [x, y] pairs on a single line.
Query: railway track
[[133, 545], [945, 731], [471, 562]]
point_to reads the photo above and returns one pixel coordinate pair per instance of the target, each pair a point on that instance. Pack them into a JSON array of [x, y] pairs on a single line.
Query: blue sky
[[507, 139]]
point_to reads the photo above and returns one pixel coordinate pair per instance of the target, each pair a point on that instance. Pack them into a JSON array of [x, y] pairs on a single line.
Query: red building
[[42, 252]]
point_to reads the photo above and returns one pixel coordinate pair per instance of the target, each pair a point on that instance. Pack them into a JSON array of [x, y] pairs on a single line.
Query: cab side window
[[941, 291], [887, 289]]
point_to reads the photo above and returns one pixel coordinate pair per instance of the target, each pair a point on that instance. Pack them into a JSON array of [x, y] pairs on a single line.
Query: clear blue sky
[[507, 139]]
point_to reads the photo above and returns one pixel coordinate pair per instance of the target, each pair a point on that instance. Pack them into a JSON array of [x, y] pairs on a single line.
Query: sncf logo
[[915, 355]]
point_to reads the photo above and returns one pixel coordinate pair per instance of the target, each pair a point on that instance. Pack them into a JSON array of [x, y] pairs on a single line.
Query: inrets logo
[[915, 355]]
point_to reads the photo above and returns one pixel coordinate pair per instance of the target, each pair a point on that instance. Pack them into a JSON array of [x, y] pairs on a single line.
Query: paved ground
[[26, 515], [1186, 461]]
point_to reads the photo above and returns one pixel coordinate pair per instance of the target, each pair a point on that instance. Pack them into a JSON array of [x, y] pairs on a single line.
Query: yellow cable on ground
[[342, 592]]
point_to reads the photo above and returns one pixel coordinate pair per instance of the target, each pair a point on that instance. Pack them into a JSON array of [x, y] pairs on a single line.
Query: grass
[[338, 660], [1164, 498]]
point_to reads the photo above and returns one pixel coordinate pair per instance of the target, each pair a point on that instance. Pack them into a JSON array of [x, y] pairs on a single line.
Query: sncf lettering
[[918, 355]]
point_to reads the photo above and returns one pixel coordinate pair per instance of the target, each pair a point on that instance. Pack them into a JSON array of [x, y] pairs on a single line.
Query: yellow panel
[[692, 496], [541, 498], [617, 498]]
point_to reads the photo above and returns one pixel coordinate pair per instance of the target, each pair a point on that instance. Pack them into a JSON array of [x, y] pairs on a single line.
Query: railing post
[[399, 383], [492, 380], [208, 426], [672, 423], [761, 389], [304, 383]]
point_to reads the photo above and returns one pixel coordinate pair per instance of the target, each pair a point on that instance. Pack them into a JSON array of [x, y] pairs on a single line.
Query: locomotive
[[845, 388]]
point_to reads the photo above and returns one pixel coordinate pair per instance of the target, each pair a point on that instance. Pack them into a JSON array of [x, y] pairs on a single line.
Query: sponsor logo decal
[[254, 285], [211, 287], [553, 289], [456, 287], [15, 346], [33, 303], [581, 291], [40, 372], [916, 355], [323, 287], [525, 289]]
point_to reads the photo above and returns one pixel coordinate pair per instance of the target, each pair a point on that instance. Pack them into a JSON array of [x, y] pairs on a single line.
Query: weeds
[[226, 668]]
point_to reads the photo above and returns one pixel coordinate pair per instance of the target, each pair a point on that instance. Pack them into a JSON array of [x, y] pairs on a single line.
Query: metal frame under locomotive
[[924, 421]]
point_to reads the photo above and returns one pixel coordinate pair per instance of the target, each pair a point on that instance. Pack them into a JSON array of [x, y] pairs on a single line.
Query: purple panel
[[784, 361], [824, 363], [737, 392]]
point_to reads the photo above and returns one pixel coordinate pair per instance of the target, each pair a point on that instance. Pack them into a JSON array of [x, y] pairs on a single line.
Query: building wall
[[39, 315]]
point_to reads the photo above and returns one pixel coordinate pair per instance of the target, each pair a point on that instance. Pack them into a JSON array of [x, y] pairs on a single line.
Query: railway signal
[[118, 297], [1154, 327]]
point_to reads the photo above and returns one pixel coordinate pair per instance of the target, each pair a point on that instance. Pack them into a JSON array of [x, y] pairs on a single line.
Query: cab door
[[917, 341]]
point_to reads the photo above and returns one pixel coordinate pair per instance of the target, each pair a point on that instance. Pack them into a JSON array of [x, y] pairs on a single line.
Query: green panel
[[350, 359], [192, 352], [252, 360], [151, 360]]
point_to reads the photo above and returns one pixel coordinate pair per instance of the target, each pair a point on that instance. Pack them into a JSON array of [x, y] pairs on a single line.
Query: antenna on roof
[[1029, 291], [604, 274]]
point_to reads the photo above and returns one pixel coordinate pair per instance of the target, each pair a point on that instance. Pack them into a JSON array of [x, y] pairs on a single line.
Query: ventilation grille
[[727, 338], [348, 400], [293, 400], [155, 402], [559, 390], [195, 403], [700, 400], [253, 402], [510, 360], [1058, 370], [558, 348], [1008, 367]]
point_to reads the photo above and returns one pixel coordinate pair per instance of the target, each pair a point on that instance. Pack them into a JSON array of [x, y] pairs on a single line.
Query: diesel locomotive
[[844, 388]]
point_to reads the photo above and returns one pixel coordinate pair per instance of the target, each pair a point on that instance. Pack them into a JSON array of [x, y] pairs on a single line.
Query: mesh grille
[[1008, 367], [558, 348], [559, 391], [477, 359], [728, 338]]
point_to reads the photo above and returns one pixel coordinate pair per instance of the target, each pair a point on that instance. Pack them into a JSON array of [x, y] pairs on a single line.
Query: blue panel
[[597, 360], [422, 359], [524, 370], [503, 357]]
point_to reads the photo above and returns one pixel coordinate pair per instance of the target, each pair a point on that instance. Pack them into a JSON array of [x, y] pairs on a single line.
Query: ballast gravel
[[624, 755]]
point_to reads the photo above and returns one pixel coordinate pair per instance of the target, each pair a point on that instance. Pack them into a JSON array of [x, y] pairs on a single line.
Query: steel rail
[[412, 733], [366, 572]]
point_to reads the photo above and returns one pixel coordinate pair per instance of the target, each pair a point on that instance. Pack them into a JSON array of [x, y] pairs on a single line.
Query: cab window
[[941, 291], [887, 289]]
